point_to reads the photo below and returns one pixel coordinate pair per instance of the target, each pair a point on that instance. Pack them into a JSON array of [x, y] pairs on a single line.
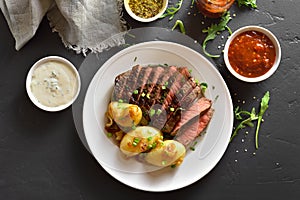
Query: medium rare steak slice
[[167, 94], [198, 108], [184, 104], [192, 130]]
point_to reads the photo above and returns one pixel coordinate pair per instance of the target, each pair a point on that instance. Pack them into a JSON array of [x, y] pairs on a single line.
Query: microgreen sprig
[[171, 11], [248, 3], [247, 117], [264, 104], [214, 29], [181, 26]]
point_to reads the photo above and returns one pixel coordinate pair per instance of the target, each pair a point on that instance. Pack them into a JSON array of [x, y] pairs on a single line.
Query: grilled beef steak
[[169, 98]]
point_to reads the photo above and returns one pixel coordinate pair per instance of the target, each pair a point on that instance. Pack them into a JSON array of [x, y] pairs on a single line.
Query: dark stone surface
[[42, 157]]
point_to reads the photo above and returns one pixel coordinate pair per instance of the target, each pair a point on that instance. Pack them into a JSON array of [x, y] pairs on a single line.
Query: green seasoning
[[145, 8]]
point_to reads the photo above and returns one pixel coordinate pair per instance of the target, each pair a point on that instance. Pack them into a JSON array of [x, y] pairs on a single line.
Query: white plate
[[210, 147]]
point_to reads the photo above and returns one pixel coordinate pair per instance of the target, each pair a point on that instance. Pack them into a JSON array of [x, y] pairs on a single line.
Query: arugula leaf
[[248, 121], [264, 104], [171, 11], [247, 117], [214, 29], [248, 3], [181, 26]]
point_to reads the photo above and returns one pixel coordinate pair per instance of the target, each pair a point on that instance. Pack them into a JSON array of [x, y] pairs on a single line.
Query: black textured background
[[42, 157]]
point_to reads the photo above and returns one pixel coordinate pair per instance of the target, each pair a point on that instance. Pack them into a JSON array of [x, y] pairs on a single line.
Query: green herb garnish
[[159, 111], [181, 26], [248, 3], [109, 134], [251, 116], [152, 112], [135, 92], [193, 147], [203, 87], [171, 11], [135, 141], [240, 115], [264, 104], [214, 29]]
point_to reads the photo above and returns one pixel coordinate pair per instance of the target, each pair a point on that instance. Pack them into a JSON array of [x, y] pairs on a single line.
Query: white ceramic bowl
[[275, 42], [29, 80], [134, 16]]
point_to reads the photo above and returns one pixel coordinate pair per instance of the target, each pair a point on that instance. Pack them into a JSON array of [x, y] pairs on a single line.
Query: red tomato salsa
[[251, 54]]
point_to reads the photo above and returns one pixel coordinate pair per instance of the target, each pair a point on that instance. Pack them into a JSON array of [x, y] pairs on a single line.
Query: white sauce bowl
[[29, 81], [140, 19], [275, 42]]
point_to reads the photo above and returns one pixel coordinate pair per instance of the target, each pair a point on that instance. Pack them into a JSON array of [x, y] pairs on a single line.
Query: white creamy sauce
[[54, 83]]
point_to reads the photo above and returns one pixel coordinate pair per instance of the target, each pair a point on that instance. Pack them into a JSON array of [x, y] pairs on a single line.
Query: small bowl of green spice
[[145, 10]]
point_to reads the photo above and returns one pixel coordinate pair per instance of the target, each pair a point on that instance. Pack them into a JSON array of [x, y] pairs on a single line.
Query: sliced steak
[[202, 105], [169, 88], [149, 89], [131, 83], [184, 104], [191, 131], [180, 79], [120, 83]]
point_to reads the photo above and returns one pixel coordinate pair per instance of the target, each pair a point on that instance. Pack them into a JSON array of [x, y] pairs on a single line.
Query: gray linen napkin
[[83, 25]]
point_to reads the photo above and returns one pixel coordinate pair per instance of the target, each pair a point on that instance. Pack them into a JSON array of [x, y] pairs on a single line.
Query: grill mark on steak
[[167, 95], [158, 71], [131, 83], [184, 104], [149, 89], [198, 108], [120, 82], [192, 130], [180, 80], [161, 91]]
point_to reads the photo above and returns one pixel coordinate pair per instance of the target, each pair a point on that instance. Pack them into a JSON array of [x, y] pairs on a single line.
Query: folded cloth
[[83, 25]]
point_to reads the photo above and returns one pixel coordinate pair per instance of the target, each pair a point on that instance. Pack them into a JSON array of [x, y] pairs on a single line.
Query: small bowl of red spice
[[252, 53]]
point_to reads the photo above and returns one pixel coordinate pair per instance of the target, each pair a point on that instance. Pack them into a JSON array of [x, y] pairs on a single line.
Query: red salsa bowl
[[252, 54]]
